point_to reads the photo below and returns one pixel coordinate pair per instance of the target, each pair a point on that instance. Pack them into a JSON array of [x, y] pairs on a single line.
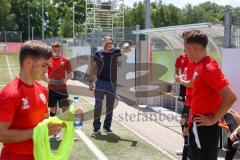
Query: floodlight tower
[[105, 17]]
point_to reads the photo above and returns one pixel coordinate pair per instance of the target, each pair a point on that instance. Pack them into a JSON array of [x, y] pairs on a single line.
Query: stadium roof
[[172, 35], [207, 27]]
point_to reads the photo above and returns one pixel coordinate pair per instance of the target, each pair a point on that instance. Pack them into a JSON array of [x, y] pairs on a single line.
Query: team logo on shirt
[[195, 74], [25, 103], [62, 63], [43, 98]]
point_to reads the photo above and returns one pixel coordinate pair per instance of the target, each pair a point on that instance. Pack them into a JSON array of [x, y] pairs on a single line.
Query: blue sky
[[182, 3]]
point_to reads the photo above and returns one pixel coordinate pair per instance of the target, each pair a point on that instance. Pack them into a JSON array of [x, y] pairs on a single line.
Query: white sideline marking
[[148, 141], [98, 153], [9, 68], [13, 64]]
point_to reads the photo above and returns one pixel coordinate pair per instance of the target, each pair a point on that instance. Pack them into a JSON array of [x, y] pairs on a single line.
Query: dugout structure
[[159, 48]]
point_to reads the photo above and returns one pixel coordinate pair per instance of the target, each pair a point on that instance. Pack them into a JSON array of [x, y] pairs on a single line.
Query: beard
[[56, 55]]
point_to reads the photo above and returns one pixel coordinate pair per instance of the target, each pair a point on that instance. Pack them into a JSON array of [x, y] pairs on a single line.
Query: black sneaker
[[181, 99], [236, 144], [108, 130], [96, 131]]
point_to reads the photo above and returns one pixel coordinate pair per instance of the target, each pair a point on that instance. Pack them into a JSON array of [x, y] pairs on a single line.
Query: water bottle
[[78, 119]]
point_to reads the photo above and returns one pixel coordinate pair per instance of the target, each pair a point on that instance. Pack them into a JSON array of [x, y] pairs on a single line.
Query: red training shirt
[[208, 80], [182, 62], [190, 71], [57, 69], [22, 106]]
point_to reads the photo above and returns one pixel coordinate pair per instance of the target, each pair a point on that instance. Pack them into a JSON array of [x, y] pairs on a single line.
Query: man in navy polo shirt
[[104, 64]]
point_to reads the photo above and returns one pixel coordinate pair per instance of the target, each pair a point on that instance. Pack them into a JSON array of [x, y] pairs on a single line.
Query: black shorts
[[60, 97], [182, 93], [208, 137], [185, 112]]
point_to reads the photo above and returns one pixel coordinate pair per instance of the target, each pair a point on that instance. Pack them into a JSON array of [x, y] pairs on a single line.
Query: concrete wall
[[231, 68], [10, 47]]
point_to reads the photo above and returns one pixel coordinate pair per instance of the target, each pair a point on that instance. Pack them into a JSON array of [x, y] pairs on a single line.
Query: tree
[[62, 7], [168, 15], [20, 9], [66, 27], [6, 18], [58, 16], [54, 15], [205, 12], [165, 15], [158, 16], [236, 16], [172, 15], [136, 15]]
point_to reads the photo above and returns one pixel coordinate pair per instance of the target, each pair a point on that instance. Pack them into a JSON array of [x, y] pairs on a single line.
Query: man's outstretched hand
[[91, 86]]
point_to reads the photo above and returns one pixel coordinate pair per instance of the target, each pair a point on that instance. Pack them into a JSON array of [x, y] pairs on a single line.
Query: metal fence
[[95, 37], [235, 34], [10, 36], [235, 37]]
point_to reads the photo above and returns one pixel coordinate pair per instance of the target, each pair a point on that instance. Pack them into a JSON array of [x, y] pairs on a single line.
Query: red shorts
[[14, 156]]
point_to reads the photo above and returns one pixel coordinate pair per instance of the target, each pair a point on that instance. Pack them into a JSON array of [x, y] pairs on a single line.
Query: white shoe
[[75, 137], [58, 137], [108, 131], [96, 131], [179, 152]]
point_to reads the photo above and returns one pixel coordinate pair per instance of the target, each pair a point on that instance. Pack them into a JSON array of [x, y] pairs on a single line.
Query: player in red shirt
[[23, 103], [211, 98], [190, 72], [181, 66], [187, 67], [185, 112], [59, 71]]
